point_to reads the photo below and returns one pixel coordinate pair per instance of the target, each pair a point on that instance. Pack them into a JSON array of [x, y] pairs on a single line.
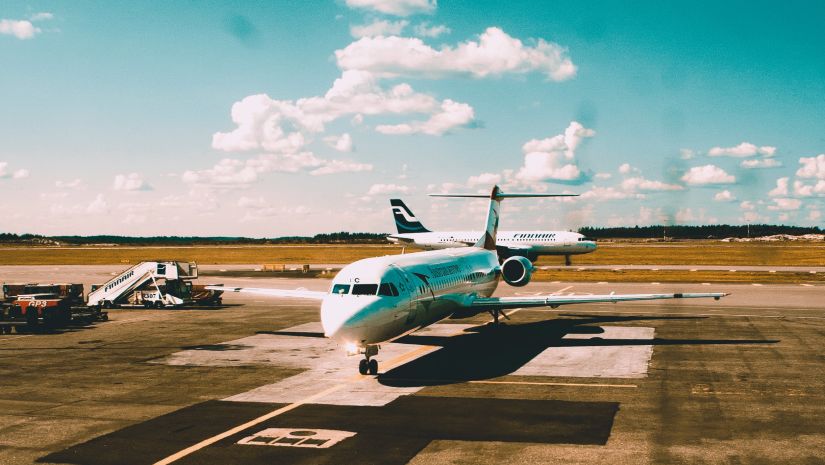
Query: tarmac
[[689, 381]]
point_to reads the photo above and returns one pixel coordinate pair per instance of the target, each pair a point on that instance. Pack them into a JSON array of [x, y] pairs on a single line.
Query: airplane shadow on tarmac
[[485, 352]]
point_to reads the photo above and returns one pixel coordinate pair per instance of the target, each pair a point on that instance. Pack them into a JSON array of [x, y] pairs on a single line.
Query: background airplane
[[529, 244], [380, 299]]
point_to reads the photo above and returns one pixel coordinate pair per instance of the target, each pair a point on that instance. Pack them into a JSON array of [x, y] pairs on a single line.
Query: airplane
[[529, 244], [380, 299]]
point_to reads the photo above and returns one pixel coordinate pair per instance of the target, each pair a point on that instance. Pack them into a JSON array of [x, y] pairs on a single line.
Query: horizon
[[261, 119]]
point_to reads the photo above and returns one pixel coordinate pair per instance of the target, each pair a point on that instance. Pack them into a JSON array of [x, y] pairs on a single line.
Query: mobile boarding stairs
[[144, 274]]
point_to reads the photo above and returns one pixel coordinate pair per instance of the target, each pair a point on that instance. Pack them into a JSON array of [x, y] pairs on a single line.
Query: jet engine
[[516, 271]]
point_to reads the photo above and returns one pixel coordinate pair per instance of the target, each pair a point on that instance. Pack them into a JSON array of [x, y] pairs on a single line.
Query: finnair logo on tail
[[405, 220]]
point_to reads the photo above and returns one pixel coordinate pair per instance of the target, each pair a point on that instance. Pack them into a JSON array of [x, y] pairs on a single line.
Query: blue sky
[[278, 118]]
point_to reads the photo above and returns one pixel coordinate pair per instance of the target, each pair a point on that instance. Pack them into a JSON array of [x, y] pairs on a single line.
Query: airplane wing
[[296, 293], [504, 303]]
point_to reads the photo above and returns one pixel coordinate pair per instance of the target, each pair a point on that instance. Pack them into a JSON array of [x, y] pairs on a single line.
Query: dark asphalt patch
[[385, 435]]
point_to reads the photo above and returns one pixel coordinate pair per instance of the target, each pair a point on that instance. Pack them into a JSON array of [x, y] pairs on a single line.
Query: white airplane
[[380, 299], [529, 244]]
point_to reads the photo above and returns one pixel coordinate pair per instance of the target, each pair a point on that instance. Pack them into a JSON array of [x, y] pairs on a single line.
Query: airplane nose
[[339, 316]]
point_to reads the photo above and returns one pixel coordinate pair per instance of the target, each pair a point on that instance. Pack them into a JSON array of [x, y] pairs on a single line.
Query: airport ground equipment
[[51, 306], [146, 276]]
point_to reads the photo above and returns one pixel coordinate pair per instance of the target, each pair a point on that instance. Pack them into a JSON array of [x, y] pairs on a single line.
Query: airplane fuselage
[[528, 243], [380, 299]]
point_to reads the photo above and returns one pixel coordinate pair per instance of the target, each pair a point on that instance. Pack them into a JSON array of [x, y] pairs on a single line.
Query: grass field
[[678, 253]]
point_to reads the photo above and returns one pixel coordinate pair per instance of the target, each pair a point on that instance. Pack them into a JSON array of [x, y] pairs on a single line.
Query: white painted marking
[[14, 337], [694, 269], [297, 437], [207, 442], [771, 271], [807, 285], [755, 284], [655, 283], [732, 271], [706, 284], [602, 282]]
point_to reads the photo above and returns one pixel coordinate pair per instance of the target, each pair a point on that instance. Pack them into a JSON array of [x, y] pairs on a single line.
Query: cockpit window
[[340, 289], [387, 289], [364, 289]]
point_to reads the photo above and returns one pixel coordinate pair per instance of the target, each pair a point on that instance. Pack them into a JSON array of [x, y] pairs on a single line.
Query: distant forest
[[637, 232], [716, 231], [329, 238]]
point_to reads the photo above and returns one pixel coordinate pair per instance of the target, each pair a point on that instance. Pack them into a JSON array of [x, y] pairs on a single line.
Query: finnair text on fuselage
[[535, 242]]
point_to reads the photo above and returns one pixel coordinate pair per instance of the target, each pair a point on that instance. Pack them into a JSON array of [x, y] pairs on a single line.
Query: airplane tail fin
[[405, 220], [488, 239]]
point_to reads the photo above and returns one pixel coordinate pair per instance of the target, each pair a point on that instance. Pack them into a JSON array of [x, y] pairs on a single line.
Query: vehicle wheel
[[373, 367], [31, 318], [363, 367], [158, 304], [6, 329], [107, 304]]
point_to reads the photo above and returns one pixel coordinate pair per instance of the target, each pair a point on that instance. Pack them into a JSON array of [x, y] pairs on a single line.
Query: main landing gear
[[369, 365], [567, 261]]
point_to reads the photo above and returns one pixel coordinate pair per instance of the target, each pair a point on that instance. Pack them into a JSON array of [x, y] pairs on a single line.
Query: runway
[[647, 382]]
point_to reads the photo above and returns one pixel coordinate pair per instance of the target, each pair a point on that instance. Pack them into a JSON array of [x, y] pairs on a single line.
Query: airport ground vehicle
[[50, 306]]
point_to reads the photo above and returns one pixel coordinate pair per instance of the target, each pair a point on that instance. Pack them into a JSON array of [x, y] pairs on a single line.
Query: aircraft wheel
[[363, 366], [373, 366]]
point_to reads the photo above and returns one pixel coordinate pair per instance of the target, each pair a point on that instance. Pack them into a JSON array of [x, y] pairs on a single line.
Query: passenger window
[[340, 289]]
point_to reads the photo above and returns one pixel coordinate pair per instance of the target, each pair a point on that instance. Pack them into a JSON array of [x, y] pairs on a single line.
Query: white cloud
[[42, 16], [284, 126], [484, 180], [625, 168], [747, 205], [753, 217], [340, 166], [379, 27], [781, 188], [552, 159], [686, 154], [745, 149], [5, 173], [685, 215], [809, 190], [384, 189], [395, 7], [130, 182], [98, 205], [814, 215], [761, 163], [73, 184], [707, 174], [234, 173], [425, 30], [257, 209], [452, 115], [603, 176], [19, 28], [724, 196], [342, 143], [785, 204], [642, 184], [609, 193], [812, 167], [494, 54]]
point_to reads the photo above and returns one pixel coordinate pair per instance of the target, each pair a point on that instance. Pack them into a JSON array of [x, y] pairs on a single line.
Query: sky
[[275, 118]]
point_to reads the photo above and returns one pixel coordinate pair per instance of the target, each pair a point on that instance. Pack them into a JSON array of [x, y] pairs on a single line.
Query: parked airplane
[[380, 299], [529, 244]]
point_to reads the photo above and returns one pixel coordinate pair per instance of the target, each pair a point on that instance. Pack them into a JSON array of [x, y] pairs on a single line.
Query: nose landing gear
[[369, 365]]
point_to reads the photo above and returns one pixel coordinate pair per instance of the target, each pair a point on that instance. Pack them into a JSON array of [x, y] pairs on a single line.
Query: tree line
[[714, 231]]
